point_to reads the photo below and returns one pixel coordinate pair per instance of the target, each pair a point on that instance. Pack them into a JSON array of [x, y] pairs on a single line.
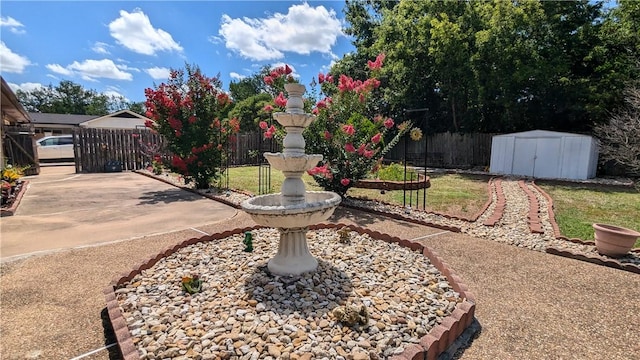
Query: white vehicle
[[55, 147]]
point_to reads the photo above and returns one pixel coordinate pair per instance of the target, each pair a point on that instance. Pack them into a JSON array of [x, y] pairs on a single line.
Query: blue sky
[[123, 47]]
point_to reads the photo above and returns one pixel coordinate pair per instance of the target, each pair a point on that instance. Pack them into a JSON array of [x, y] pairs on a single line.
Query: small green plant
[[395, 172], [192, 284], [248, 241]]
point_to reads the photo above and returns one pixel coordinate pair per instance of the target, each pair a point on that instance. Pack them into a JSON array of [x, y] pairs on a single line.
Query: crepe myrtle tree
[[349, 131], [188, 110]]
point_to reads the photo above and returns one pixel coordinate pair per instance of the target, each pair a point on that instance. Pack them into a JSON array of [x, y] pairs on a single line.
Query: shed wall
[[549, 155]]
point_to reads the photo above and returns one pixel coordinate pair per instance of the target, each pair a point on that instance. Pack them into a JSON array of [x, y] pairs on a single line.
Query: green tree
[[71, 98], [250, 111]]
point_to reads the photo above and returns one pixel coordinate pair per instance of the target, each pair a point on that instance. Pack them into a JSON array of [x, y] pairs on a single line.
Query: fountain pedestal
[[293, 209]]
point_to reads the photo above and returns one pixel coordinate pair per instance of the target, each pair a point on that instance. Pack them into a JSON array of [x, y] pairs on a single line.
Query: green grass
[[578, 207], [453, 194]]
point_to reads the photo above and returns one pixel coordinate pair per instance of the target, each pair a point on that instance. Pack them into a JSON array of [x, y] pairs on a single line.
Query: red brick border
[[423, 182], [501, 203], [11, 210], [595, 259], [431, 345], [533, 218]]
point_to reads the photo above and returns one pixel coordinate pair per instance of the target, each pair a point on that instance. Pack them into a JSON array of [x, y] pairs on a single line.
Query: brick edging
[[404, 218], [486, 205], [11, 210], [501, 203], [533, 218], [439, 338], [594, 259]]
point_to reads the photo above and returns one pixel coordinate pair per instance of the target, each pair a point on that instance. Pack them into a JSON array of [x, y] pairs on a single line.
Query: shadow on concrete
[[463, 342], [109, 336], [167, 196]]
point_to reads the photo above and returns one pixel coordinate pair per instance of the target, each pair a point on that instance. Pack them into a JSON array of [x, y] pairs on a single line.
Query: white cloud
[[158, 73], [304, 29], [92, 69], [14, 25], [11, 62], [135, 32], [236, 76], [29, 86], [101, 48]]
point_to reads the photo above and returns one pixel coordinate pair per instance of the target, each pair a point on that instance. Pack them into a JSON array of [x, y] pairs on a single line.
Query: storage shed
[[545, 154]]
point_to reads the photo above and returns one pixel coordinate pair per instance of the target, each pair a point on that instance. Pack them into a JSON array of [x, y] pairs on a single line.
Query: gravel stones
[[244, 312]]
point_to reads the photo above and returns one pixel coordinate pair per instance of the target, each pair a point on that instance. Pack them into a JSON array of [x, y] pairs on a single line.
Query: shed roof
[[540, 134]]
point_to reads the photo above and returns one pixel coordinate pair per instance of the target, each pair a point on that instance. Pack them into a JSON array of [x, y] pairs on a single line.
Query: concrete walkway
[[63, 210]]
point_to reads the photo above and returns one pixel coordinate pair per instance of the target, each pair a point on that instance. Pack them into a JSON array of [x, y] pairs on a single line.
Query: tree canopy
[[71, 98], [498, 66]]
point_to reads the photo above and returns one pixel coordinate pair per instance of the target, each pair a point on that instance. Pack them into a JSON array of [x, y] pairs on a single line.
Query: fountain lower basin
[[268, 210]]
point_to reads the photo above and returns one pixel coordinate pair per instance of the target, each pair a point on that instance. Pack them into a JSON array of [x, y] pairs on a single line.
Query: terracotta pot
[[614, 241]]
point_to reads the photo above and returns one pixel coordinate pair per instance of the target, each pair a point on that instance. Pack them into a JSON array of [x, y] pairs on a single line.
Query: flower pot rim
[[616, 229]]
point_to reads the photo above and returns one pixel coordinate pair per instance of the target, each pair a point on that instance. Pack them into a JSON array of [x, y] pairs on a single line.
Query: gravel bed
[[244, 312]]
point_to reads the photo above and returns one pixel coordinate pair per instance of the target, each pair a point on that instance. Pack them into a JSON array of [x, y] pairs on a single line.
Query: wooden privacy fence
[[445, 150], [133, 149]]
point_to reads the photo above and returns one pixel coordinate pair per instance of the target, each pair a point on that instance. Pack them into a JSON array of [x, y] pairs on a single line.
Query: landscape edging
[[612, 263], [436, 342], [11, 210]]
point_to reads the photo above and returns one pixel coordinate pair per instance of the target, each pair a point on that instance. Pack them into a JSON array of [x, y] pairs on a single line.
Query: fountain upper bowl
[[268, 210], [295, 120]]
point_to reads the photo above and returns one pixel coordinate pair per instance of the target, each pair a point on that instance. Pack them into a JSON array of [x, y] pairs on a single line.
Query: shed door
[[524, 155], [548, 155]]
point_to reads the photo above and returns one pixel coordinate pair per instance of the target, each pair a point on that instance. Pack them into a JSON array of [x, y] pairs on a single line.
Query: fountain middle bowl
[[267, 210]]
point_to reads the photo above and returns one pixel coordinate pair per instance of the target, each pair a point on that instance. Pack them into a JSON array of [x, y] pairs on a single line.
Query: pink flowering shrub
[[350, 134], [189, 112]]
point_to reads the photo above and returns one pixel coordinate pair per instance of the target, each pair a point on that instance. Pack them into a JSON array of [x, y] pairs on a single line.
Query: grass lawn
[[577, 207], [457, 195]]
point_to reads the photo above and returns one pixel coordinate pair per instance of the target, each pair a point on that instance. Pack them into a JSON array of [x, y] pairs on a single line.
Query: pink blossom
[[268, 135], [388, 123], [348, 129], [327, 135], [368, 154], [348, 147], [361, 149], [329, 79], [320, 78], [321, 104], [287, 70], [376, 138], [281, 100], [268, 108], [263, 125], [268, 80], [315, 111], [361, 98], [345, 182], [377, 64]]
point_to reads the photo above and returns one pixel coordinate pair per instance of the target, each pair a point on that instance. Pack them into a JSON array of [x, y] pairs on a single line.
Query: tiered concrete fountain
[[293, 209]]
